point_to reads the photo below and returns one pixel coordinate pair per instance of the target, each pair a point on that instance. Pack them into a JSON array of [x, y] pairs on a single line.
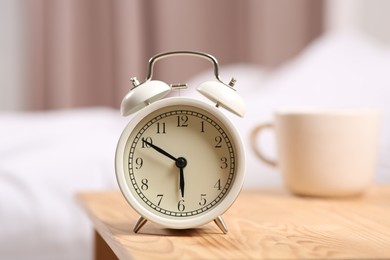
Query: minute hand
[[158, 149]]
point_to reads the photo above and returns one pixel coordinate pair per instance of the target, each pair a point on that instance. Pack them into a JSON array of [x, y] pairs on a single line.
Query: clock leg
[[140, 223], [221, 224]]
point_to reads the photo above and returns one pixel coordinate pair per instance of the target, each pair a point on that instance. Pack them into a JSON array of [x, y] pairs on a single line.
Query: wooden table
[[264, 223]]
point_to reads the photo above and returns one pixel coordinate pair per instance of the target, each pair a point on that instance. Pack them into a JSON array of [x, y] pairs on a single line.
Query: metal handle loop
[[184, 53]]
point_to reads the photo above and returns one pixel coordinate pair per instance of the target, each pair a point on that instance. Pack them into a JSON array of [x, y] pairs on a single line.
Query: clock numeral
[[182, 121], [218, 140], [159, 198], [139, 162], [144, 184], [218, 185], [147, 139], [161, 128], [202, 127], [224, 163], [181, 206], [203, 200]]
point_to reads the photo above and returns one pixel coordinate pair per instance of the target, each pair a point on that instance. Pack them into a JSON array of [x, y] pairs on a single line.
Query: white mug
[[329, 152]]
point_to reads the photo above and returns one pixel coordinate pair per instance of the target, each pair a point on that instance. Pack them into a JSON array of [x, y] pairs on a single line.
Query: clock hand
[[181, 162], [182, 182], [158, 149]]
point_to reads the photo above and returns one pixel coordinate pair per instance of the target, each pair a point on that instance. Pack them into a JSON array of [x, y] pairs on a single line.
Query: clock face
[[180, 162]]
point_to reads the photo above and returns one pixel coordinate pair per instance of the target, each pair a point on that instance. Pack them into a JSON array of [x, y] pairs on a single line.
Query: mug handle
[[253, 137]]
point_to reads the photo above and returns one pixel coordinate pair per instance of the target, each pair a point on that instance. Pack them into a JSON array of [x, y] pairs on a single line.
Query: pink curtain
[[83, 53]]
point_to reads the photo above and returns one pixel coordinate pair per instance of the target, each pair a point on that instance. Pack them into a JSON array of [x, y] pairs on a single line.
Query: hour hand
[[181, 162], [182, 182], [158, 149]]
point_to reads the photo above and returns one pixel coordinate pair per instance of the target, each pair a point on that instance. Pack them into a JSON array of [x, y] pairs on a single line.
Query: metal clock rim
[[223, 206]]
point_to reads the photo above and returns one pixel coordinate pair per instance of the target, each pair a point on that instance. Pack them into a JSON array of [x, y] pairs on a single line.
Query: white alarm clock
[[180, 162]]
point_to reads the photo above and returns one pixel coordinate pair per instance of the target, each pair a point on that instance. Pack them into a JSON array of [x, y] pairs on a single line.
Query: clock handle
[[150, 90], [162, 55], [217, 91]]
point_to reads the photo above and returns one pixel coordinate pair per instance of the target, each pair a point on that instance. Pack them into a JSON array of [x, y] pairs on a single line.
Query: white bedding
[[337, 70], [46, 157]]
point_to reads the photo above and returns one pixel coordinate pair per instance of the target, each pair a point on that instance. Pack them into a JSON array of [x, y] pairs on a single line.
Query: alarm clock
[[180, 161]]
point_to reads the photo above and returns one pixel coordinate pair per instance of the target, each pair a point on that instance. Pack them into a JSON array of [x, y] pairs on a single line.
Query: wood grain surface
[[263, 224]]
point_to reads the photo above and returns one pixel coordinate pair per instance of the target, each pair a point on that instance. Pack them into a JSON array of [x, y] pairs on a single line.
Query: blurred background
[[65, 66], [58, 54]]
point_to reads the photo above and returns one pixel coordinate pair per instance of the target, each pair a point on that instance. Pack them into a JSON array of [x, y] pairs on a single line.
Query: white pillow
[[46, 158], [337, 70]]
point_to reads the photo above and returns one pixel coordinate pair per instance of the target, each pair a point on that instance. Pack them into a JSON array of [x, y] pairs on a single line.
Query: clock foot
[[140, 223], [221, 224]]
